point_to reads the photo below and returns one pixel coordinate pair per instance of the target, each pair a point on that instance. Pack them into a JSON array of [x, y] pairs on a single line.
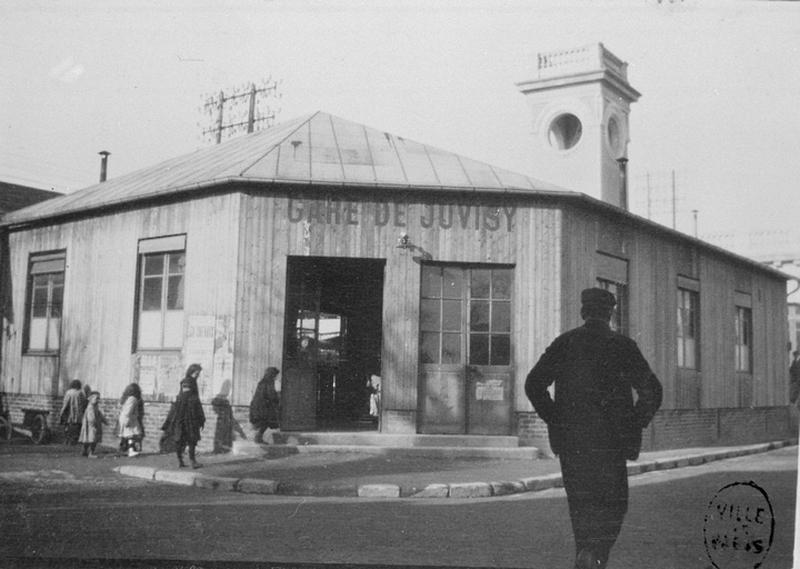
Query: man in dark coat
[[265, 405], [593, 424]]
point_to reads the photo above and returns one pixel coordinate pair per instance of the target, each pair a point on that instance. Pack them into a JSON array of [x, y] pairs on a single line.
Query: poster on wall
[[199, 349], [158, 375], [222, 376]]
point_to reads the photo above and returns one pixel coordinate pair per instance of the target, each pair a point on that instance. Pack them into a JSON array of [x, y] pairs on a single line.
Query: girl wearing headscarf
[[186, 418], [72, 412], [265, 405], [131, 429]]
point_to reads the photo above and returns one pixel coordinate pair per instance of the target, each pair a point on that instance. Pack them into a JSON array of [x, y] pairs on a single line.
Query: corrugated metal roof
[[315, 149], [15, 196]]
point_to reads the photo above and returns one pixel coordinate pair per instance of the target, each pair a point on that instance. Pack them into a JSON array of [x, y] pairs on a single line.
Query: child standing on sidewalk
[[131, 429], [92, 426]]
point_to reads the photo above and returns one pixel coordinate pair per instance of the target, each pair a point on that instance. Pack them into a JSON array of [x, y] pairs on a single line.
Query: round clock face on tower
[[565, 131]]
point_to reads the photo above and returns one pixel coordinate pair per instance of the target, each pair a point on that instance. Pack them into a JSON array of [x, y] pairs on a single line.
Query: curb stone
[[648, 466], [312, 489], [216, 482], [666, 464], [538, 483], [146, 472], [470, 490], [176, 477], [505, 487], [257, 486], [378, 491], [453, 490], [433, 491]]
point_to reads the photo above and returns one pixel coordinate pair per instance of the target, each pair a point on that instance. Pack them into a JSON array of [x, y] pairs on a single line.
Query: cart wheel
[[39, 432], [6, 431]]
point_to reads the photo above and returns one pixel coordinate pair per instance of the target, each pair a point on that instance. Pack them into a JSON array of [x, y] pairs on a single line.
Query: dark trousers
[[596, 483], [260, 430], [181, 446], [87, 447]]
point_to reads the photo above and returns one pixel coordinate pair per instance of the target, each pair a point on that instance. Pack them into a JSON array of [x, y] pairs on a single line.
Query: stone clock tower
[[580, 101]]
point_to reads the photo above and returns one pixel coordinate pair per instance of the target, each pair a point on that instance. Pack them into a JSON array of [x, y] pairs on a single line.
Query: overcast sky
[[720, 84]]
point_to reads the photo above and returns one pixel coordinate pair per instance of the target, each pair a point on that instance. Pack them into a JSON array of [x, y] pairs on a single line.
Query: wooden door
[[465, 349]]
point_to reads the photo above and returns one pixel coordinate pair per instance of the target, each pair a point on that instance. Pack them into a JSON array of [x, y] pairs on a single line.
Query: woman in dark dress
[[186, 420], [265, 406]]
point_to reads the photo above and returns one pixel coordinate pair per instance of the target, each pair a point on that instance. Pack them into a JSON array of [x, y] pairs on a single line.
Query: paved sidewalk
[[282, 470]]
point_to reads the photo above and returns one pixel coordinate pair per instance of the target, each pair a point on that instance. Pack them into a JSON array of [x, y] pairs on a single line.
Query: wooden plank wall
[[100, 281], [238, 269], [268, 237], [654, 263], [771, 335], [537, 292]]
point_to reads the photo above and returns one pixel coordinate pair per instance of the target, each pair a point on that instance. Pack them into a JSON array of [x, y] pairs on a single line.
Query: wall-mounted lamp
[[404, 242]]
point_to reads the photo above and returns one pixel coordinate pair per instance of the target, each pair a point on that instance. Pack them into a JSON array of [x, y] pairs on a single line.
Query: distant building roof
[[317, 149], [14, 196]]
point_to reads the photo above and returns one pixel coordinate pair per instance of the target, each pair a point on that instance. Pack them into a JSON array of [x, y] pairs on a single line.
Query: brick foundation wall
[[224, 423], [683, 428], [671, 428]]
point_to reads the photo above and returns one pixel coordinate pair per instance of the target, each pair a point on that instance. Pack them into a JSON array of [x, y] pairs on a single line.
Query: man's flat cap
[[597, 297]]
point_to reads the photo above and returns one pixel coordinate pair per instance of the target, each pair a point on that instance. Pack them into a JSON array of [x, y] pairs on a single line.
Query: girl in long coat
[[265, 405], [92, 426], [72, 412], [131, 430], [185, 421]]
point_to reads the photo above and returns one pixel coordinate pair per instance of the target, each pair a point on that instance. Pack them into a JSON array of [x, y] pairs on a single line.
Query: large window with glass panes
[[465, 315], [744, 339], [160, 294], [45, 298], [688, 335]]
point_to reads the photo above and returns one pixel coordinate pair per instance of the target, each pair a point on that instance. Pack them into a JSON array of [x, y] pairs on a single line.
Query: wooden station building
[[335, 252]]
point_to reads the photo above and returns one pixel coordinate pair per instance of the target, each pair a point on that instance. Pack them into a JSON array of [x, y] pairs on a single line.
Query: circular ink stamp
[[739, 526]]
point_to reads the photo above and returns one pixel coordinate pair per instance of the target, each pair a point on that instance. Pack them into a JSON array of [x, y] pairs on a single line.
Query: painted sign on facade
[[397, 214]]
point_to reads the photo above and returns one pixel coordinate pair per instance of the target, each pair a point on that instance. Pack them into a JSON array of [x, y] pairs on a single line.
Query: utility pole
[[649, 216], [694, 213], [231, 107]]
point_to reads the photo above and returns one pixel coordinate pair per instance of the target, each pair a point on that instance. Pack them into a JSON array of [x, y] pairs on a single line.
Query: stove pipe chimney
[[623, 182], [103, 164]]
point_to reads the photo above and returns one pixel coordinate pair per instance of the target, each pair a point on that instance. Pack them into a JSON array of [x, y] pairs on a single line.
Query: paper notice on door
[[489, 390]]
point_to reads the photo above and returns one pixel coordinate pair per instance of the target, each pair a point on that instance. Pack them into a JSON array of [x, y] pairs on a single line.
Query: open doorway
[[332, 342]]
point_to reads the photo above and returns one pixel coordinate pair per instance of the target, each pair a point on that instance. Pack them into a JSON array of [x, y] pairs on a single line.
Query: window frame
[[443, 324], [620, 316], [57, 261], [743, 339], [494, 334], [682, 324], [164, 247]]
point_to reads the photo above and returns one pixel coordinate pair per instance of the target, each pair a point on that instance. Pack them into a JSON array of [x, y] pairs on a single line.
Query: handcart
[[34, 424]]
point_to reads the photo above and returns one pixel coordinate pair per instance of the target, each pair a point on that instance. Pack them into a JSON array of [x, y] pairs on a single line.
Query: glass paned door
[[465, 348]]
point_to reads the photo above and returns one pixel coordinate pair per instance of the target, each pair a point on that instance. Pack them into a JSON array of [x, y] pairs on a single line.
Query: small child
[[92, 426]]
